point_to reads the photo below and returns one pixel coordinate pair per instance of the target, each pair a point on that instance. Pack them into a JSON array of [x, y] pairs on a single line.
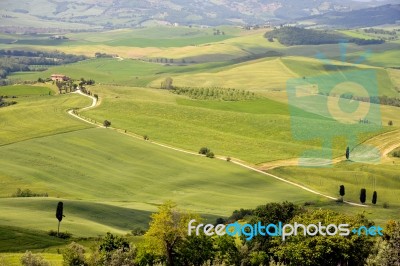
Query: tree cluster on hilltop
[[300, 36]]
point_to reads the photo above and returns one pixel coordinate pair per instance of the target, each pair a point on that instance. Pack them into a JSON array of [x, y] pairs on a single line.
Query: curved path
[[235, 161]]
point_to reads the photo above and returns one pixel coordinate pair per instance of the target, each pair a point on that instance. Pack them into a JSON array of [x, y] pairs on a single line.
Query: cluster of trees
[[300, 36], [163, 60], [19, 60], [6, 103], [218, 32], [167, 242], [70, 85], [380, 31], [103, 55], [363, 195], [27, 193], [384, 100], [396, 154], [215, 94], [207, 152], [359, 41]]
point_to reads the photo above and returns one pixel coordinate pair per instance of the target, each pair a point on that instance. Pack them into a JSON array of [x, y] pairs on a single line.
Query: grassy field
[[125, 174], [38, 114], [255, 127], [14, 259], [25, 90]]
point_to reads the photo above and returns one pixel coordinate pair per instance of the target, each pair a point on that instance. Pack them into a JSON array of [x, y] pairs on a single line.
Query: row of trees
[[6, 103], [300, 36], [363, 195], [167, 242], [215, 94], [28, 193], [19, 60]]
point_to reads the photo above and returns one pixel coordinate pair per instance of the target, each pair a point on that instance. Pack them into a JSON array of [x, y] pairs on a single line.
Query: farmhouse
[[59, 77]]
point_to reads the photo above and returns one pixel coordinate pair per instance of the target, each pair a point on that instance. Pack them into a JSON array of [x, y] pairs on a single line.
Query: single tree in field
[[106, 123], [167, 84], [342, 191], [374, 197], [59, 215], [348, 153], [363, 195]]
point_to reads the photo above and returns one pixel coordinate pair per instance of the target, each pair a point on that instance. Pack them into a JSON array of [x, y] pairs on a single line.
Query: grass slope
[[255, 131], [38, 115]]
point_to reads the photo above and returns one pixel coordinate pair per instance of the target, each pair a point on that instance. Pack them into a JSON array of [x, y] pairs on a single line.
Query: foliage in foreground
[[167, 242]]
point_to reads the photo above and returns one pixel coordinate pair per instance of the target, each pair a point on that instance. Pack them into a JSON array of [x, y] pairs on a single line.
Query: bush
[[122, 257], [27, 193], [210, 154], [390, 123], [386, 205], [62, 235], [145, 137], [74, 255], [204, 150], [228, 159], [138, 231], [29, 259]]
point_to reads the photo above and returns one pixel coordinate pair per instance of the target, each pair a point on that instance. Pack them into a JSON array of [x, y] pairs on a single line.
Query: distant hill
[[367, 17], [111, 14]]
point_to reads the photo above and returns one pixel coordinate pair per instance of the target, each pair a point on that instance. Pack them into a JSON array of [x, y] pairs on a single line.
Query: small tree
[[342, 191], [348, 153], [167, 84], [145, 137], [390, 123], [204, 150], [106, 123], [374, 197], [363, 195], [59, 215]]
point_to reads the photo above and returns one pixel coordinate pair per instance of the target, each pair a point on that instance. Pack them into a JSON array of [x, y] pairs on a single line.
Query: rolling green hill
[[128, 176]]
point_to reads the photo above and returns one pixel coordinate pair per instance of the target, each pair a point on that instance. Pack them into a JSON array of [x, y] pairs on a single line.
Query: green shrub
[[204, 150], [63, 235], [210, 154], [74, 255], [29, 259]]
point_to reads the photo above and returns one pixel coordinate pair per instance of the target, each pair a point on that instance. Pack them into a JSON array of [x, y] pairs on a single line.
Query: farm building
[[59, 77]]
